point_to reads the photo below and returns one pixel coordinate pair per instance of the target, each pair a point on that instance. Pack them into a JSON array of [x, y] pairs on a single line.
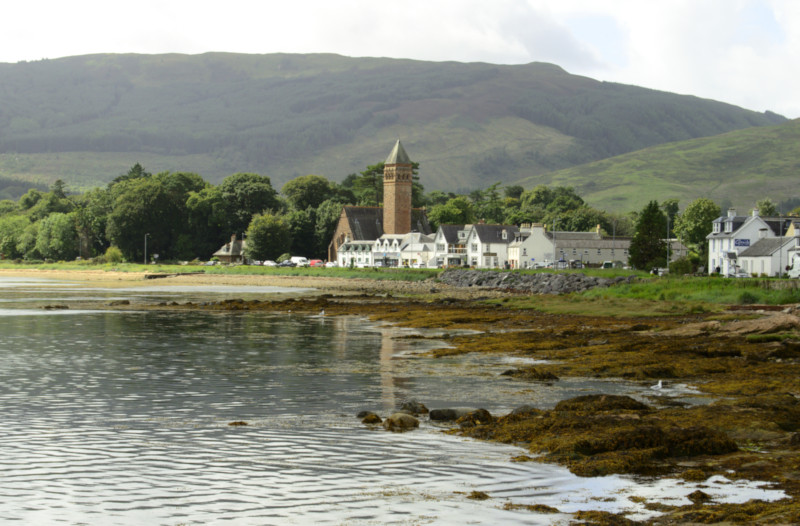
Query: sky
[[743, 52]]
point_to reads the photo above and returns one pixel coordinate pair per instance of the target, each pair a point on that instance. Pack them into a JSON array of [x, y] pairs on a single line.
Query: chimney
[[731, 212], [762, 233], [755, 212]]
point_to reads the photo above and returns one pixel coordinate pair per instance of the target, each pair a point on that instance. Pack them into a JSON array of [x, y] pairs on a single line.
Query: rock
[[542, 283], [118, 302], [476, 418], [698, 497], [414, 407], [400, 422], [593, 403], [371, 418], [237, 423], [449, 415], [478, 495]]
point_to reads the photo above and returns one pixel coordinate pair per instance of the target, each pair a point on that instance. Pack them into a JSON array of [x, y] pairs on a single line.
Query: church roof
[[398, 155], [366, 222]]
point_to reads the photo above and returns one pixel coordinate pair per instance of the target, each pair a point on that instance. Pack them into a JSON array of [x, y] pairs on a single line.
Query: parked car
[[287, 263], [316, 263], [299, 261], [331, 264], [270, 263], [738, 274]]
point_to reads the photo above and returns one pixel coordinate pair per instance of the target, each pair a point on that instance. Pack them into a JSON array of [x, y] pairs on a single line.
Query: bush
[[747, 298], [681, 266], [113, 255]]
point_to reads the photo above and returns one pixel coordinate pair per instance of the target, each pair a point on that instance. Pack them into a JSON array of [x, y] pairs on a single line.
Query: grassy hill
[[736, 168], [87, 119]]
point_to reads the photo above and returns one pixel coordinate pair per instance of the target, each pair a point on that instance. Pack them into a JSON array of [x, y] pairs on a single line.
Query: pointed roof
[[398, 155]]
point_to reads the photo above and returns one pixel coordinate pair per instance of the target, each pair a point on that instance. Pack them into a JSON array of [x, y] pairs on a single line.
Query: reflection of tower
[[388, 344], [397, 173]]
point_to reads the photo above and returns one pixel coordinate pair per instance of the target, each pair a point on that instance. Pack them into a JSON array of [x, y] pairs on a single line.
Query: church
[[368, 223]]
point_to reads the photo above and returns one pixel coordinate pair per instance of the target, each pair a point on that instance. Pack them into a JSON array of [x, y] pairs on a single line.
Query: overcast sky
[[745, 52]]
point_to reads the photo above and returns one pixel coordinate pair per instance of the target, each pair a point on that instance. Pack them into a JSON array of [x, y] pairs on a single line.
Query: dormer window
[[505, 234], [716, 228], [728, 226]]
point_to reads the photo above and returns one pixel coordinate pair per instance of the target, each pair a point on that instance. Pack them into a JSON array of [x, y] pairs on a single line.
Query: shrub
[[747, 298], [113, 255]]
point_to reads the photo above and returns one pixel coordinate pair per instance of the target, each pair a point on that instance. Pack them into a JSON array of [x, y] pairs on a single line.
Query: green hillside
[[87, 119], [736, 168]]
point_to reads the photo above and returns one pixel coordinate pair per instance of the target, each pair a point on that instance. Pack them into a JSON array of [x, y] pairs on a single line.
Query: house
[[389, 250], [732, 234], [450, 246], [770, 256], [364, 224], [232, 252], [487, 245], [535, 246]]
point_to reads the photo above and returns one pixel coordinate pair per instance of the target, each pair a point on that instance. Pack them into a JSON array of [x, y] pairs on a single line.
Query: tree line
[[183, 217]]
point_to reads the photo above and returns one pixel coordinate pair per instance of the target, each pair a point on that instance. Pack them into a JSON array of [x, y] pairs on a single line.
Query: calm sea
[[110, 417]]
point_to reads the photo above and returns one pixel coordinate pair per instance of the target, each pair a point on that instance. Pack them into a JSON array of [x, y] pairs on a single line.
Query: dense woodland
[[184, 217]]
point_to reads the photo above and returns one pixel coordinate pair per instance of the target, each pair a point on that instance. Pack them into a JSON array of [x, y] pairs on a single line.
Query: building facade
[[365, 224]]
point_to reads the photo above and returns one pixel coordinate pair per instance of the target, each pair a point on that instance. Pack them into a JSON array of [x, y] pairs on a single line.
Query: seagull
[[321, 313], [657, 386]]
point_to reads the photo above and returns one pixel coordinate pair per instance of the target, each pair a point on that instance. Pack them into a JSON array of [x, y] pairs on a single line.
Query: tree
[[648, 248], [696, 222], [670, 207], [268, 236], [11, 229], [243, 196], [766, 207], [328, 215], [456, 211], [301, 229], [57, 238], [307, 191]]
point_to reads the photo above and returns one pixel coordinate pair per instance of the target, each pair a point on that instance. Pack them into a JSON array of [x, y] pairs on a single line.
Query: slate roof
[[494, 233], [398, 155], [765, 247], [450, 232], [366, 222]]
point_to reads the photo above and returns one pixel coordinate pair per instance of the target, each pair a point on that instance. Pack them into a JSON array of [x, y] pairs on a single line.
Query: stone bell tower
[[397, 192]]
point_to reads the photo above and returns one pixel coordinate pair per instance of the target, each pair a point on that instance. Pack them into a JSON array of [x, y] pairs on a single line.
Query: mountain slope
[[736, 168], [87, 119]]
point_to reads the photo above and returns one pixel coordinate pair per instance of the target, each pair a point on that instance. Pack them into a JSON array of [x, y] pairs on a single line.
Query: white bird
[[657, 386]]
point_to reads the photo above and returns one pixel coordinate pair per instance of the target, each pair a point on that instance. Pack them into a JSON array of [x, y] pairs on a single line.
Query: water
[[123, 418]]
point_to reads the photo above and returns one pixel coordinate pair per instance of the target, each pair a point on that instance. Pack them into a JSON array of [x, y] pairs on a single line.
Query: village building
[[770, 256], [231, 252], [731, 235], [450, 246], [361, 225], [535, 247]]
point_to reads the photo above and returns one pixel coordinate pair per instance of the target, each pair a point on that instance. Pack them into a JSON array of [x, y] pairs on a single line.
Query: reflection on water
[[122, 418]]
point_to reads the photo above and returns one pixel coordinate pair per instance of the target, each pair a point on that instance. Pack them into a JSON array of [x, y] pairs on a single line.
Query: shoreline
[[749, 430]]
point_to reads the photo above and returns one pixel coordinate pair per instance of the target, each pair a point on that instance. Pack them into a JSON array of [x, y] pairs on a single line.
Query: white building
[[732, 234], [389, 250], [479, 245], [535, 246]]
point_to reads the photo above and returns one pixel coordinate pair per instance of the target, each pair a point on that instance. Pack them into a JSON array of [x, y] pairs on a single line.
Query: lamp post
[[145, 248], [669, 241]]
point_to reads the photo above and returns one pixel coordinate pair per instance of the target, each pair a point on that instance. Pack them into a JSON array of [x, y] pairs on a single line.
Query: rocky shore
[[543, 283]]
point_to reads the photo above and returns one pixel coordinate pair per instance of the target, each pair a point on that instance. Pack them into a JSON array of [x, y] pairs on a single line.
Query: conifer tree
[[648, 248]]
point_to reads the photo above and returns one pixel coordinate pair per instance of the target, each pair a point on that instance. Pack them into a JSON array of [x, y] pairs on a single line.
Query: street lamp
[[145, 248]]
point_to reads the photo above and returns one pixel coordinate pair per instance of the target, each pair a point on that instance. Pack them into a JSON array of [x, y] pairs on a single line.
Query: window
[[440, 247], [524, 251], [716, 228], [474, 247], [728, 226]]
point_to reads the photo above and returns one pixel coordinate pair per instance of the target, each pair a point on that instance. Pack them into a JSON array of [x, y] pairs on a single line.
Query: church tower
[[397, 192]]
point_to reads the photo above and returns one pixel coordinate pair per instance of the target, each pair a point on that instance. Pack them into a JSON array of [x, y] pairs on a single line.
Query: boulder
[[400, 422], [450, 414], [371, 418], [476, 418], [413, 407]]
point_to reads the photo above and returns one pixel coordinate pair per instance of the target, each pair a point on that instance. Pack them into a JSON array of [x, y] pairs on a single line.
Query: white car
[[331, 264], [270, 263]]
